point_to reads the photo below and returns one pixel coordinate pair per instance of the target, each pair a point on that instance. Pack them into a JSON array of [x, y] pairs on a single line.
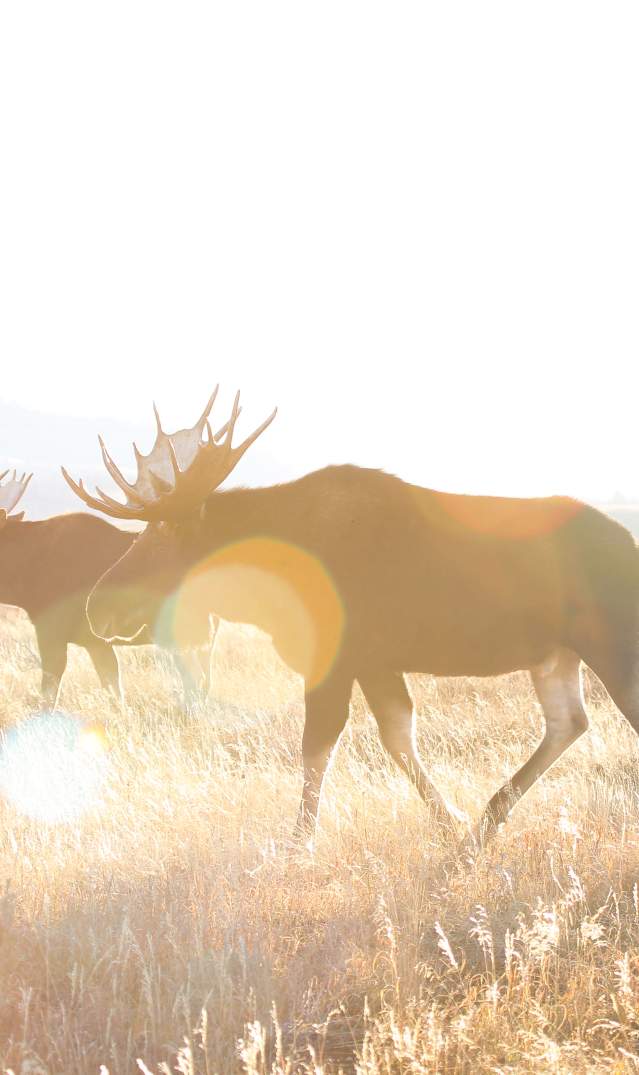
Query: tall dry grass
[[176, 928]]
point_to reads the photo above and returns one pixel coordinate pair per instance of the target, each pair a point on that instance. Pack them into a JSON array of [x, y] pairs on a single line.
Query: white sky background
[[414, 227]]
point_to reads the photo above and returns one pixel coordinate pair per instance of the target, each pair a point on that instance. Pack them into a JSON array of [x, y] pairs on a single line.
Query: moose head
[[169, 494]]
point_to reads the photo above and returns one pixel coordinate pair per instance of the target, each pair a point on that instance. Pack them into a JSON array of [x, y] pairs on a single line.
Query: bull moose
[[358, 575], [48, 567]]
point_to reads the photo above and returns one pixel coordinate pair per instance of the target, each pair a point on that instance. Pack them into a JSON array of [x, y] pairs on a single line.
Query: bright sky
[[414, 227]]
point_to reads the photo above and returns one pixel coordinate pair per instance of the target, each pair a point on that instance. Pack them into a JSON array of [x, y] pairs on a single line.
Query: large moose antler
[[179, 472], [11, 492]]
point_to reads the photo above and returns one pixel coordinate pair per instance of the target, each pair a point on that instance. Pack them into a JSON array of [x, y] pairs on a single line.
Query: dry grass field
[[174, 927]]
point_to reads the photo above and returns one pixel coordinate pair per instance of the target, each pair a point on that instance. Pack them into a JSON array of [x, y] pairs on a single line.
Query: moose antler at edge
[[11, 492]]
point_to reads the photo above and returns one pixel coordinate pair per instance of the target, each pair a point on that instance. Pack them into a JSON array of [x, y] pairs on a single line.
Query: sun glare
[[275, 585], [53, 766]]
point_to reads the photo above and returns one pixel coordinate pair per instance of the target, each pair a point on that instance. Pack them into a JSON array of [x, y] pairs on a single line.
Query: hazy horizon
[[42, 441], [419, 244]]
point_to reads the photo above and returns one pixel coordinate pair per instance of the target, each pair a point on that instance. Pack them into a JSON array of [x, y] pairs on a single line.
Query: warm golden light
[[276, 586], [497, 517], [92, 738], [53, 765]]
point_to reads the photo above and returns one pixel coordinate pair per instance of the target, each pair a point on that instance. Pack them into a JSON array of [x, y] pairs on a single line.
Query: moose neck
[[235, 514]]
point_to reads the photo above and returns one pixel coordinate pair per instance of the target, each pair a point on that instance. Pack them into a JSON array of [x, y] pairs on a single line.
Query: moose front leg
[[193, 664], [106, 664], [53, 658], [192, 667], [326, 715]]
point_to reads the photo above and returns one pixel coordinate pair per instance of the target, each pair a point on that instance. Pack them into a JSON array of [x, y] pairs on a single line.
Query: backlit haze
[[414, 228]]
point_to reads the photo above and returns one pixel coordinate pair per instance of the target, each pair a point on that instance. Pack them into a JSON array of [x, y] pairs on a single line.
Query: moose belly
[[467, 631], [499, 647]]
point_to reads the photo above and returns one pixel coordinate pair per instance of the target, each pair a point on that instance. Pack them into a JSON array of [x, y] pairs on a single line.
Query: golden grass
[[176, 928]]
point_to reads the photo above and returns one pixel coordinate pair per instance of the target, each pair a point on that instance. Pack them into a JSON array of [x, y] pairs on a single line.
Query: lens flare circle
[[275, 585], [53, 766], [502, 518]]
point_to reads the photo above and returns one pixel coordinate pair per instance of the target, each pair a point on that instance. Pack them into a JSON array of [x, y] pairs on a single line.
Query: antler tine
[[115, 504], [220, 433], [107, 505], [4, 474], [157, 419], [230, 425], [199, 425], [118, 477], [78, 487], [239, 451]]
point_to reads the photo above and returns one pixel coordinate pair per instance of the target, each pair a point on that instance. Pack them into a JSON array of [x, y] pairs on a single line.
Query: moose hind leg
[[326, 714], [392, 707], [557, 682], [622, 681]]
